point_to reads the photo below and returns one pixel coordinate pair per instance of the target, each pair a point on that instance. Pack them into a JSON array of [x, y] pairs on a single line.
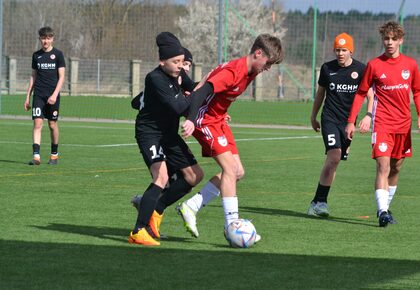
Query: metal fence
[[107, 35]]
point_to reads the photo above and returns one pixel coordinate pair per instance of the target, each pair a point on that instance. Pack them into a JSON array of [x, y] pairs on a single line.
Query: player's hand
[[187, 93], [315, 125], [418, 124], [228, 118], [349, 131], [51, 100], [364, 124], [187, 128], [26, 106]]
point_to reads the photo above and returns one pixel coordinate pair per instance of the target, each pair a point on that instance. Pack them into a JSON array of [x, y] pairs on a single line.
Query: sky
[[374, 6]]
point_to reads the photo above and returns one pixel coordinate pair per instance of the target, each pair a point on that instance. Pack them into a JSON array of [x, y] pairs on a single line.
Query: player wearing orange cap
[[337, 84]]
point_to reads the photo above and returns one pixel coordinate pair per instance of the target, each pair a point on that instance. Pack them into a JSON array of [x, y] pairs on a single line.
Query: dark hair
[[393, 27], [46, 31], [271, 46]]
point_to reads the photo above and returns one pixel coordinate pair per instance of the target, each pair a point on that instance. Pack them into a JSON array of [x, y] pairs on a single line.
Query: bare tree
[[245, 20]]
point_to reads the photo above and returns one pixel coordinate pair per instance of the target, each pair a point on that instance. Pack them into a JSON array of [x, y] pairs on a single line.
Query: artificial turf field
[[66, 226]]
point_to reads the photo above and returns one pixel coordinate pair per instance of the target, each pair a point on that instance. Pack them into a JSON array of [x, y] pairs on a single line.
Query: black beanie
[[169, 45], [188, 55]]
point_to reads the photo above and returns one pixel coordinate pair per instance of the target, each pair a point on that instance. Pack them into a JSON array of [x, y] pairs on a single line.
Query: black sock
[[147, 206], [54, 149], [36, 148], [321, 193], [176, 190]]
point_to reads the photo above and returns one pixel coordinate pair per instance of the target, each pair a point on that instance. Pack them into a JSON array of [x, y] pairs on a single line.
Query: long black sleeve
[[197, 98]]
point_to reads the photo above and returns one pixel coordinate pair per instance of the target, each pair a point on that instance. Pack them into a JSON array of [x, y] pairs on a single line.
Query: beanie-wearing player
[[208, 110], [48, 70], [337, 84], [163, 150], [392, 76]]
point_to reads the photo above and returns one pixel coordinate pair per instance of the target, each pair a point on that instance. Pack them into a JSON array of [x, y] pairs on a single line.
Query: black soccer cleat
[[384, 219], [392, 221]]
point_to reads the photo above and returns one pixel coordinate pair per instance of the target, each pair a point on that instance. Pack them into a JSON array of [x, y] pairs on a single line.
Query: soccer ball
[[241, 233]]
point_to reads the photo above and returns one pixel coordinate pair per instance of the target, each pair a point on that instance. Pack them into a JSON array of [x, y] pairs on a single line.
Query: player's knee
[[161, 179], [52, 125], [231, 171], [383, 169], [395, 170], [38, 125], [240, 174], [194, 176]]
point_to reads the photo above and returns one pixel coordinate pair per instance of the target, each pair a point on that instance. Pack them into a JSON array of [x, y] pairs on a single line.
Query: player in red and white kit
[[208, 113], [392, 76]]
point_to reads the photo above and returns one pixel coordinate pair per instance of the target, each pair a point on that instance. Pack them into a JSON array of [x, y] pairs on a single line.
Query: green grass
[[66, 227], [285, 113]]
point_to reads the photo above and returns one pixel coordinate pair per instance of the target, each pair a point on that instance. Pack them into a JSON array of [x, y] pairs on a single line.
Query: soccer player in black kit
[[163, 150], [338, 83], [48, 69]]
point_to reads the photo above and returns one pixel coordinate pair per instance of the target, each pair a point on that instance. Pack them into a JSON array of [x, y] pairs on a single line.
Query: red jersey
[[229, 80], [392, 79]]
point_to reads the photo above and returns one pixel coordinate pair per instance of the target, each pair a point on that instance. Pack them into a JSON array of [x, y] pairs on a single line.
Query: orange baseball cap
[[343, 40]]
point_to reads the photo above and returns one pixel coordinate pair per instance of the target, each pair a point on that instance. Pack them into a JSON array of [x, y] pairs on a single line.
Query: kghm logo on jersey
[[405, 74], [343, 88], [46, 65]]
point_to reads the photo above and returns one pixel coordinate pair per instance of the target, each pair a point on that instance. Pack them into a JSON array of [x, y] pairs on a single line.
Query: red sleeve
[[222, 80], [364, 86], [415, 87]]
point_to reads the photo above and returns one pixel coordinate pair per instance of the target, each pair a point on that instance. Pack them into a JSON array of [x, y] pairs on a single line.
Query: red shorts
[[215, 139], [394, 145]]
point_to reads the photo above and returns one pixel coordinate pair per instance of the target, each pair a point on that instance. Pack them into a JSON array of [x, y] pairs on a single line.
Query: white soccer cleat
[[190, 221], [257, 238], [319, 209]]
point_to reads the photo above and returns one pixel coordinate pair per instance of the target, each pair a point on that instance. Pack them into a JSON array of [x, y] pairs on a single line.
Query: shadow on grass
[[13, 161], [107, 233], [35, 265], [285, 212]]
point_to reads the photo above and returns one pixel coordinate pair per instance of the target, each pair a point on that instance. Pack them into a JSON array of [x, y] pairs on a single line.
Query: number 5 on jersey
[[331, 139]]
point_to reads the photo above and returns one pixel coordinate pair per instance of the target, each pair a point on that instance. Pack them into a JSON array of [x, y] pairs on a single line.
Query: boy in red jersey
[[208, 111], [392, 75]]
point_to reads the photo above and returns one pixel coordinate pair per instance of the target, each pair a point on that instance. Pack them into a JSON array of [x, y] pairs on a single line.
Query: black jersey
[[46, 65], [162, 104], [341, 84]]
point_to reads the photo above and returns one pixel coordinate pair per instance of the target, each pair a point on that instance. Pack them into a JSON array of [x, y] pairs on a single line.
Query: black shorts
[[334, 136], [40, 108], [174, 151]]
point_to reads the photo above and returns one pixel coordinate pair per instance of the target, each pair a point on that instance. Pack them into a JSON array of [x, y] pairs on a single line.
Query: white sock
[[382, 199], [203, 197], [230, 207], [392, 190]]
